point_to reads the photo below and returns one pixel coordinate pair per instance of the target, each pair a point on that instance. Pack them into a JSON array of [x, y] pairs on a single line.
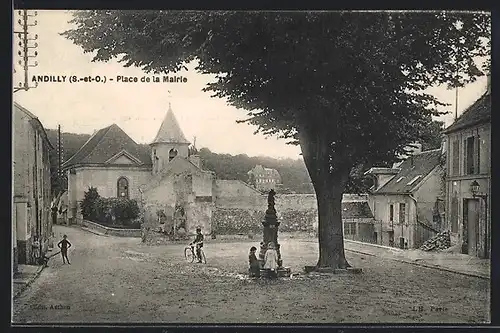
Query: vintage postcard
[[251, 167]]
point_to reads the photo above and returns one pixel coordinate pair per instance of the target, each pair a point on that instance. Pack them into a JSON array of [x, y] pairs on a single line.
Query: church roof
[[106, 143], [170, 131]]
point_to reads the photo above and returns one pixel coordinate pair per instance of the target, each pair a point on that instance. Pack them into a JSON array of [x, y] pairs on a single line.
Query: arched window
[[122, 188], [171, 154]]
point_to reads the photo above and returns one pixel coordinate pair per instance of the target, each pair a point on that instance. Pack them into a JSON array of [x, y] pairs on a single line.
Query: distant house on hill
[[407, 201], [264, 179]]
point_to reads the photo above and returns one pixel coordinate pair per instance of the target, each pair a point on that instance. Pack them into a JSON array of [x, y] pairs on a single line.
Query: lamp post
[[474, 188]]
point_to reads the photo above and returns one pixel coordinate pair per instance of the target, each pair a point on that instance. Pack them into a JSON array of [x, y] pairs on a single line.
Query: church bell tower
[[169, 143]]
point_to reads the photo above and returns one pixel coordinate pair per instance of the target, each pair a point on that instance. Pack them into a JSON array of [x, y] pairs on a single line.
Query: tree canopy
[[349, 87]]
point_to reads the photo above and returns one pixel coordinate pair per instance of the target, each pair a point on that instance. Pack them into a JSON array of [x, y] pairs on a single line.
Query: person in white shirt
[[271, 260]]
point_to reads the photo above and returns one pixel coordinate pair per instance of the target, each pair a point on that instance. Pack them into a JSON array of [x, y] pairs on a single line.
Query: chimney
[[412, 149], [488, 84], [196, 160]]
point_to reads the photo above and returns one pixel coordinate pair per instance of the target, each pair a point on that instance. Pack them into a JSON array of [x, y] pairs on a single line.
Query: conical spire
[[170, 131]]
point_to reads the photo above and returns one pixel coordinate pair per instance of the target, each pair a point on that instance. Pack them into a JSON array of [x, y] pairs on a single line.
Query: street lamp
[[474, 188]]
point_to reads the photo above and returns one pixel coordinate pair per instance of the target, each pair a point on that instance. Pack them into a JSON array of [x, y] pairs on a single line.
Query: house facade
[[468, 181], [264, 179], [404, 200], [31, 222], [358, 219]]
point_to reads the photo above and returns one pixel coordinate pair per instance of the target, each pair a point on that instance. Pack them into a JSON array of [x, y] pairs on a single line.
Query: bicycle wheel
[[188, 254], [203, 257]]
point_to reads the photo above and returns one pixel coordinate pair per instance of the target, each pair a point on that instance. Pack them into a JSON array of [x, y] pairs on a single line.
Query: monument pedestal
[[270, 234]]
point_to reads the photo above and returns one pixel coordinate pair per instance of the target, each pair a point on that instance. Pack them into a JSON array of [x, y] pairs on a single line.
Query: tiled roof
[[415, 169], [170, 131], [477, 113], [106, 143], [357, 209]]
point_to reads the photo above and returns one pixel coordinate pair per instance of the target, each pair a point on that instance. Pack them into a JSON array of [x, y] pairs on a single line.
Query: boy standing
[[64, 245]]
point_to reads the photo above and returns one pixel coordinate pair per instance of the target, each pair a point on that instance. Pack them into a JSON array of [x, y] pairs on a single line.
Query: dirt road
[[113, 279]]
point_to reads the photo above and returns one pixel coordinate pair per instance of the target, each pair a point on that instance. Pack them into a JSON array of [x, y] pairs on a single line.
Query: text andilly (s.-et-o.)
[[106, 79]]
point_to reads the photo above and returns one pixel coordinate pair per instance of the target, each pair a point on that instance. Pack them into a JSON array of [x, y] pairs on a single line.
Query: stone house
[[358, 220], [31, 222], [404, 200], [468, 181], [264, 179]]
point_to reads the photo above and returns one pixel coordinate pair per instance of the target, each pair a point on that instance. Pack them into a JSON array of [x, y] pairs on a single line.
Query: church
[[166, 178]]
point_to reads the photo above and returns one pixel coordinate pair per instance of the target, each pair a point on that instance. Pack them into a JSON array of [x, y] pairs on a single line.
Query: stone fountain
[[271, 225]]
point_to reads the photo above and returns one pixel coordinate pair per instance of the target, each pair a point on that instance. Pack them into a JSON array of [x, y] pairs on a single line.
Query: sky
[[139, 108]]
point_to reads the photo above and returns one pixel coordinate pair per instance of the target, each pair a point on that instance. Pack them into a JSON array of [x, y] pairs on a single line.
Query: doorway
[[471, 226], [391, 238]]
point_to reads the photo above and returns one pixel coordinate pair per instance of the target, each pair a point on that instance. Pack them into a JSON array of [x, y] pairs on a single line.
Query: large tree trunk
[[329, 184], [330, 227]]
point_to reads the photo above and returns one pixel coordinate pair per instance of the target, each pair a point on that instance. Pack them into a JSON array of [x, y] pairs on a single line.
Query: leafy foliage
[[388, 57], [347, 86], [110, 211], [117, 211], [293, 173], [88, 204]]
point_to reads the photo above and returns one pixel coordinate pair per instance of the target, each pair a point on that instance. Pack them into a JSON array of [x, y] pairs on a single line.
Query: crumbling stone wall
[[240, 215], [244, 214]]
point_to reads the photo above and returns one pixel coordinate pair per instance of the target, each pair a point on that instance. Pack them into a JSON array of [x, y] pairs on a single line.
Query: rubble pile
[[439, 242]]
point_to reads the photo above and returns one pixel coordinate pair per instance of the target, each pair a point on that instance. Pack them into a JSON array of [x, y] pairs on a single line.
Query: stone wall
[[181, 201], [111, 231], [241, 215], [234, 188]]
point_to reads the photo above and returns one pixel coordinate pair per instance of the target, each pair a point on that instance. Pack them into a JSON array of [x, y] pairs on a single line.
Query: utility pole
[[59, 151], [24, 53], [457, 62], [456, 96]]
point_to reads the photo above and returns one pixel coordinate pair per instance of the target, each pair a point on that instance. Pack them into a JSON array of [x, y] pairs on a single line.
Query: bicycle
[[190, 254]]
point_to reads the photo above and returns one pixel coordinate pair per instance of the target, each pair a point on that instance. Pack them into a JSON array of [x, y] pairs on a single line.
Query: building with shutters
[[468, 181], [407, 201], [31, 223]]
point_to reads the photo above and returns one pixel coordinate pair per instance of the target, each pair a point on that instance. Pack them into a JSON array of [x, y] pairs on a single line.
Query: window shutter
[[465, 171], [456, 158], [478, 153]]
